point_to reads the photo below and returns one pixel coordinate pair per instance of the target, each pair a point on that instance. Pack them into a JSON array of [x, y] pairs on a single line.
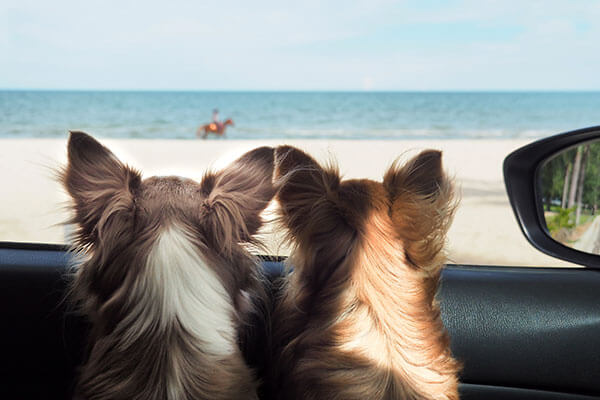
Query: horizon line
[[532, 90]]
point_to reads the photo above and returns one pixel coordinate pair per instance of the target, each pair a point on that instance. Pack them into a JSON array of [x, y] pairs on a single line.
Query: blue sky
[[316, 45]]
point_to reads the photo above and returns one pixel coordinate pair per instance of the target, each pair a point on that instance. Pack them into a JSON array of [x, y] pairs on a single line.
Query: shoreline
[[484, 231]]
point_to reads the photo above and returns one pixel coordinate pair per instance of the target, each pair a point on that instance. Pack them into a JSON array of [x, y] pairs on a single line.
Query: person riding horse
[[216, 126], [215, 120]]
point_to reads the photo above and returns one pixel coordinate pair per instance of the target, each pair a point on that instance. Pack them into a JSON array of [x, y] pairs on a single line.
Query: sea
[[297, 115]]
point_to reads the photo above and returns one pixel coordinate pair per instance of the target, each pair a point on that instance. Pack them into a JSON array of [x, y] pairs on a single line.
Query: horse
[[216, 128]]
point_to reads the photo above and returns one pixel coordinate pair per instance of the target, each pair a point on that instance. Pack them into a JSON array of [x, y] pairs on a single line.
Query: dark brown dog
[[358, 318], [164, 278]]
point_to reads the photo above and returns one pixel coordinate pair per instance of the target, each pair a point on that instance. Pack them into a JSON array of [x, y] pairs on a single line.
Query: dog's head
[[328, 218], [123, 220]]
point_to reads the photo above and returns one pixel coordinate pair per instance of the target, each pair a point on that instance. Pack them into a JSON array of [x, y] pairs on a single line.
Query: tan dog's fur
[[358, 318], [165, 280]]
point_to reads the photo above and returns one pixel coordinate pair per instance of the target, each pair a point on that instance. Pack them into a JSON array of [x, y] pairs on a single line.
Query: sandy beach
[[484, 231]]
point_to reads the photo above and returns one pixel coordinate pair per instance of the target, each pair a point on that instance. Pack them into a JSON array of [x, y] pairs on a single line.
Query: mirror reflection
[[569, 184]]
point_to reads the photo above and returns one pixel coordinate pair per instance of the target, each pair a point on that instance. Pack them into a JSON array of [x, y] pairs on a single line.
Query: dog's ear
[[235, 197], [101, 188], [422, 175], [422, 205], [321, 213], [303, 188]]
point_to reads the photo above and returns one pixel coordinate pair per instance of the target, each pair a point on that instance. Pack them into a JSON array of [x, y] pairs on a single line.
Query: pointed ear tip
[[77, 138], [77, 135], [433, 158], [432, 153]]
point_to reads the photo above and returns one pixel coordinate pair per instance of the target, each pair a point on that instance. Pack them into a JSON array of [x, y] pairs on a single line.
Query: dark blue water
[[298, 115]]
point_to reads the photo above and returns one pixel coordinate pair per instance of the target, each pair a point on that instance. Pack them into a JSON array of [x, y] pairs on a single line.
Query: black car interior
[[521, 333]]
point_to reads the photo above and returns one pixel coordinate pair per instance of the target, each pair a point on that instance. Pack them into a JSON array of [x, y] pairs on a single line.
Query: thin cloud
[[398, 45]]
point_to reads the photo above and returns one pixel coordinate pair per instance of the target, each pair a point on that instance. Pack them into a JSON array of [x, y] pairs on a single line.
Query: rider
[[216, 120]]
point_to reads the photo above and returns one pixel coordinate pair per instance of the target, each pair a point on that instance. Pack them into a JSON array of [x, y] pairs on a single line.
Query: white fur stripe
[[190, 291]]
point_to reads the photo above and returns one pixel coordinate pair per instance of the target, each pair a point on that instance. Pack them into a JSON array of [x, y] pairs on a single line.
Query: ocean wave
[[383, 116]]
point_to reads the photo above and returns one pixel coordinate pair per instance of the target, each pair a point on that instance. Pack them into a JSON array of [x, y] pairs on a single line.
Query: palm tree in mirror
[[569, 195]]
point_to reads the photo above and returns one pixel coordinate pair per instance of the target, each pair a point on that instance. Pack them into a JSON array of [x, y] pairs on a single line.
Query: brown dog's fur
[[144, 343], [358, 318]]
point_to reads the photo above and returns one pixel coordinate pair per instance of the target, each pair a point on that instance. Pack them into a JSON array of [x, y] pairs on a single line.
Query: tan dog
[[165, 281], [358, 318]]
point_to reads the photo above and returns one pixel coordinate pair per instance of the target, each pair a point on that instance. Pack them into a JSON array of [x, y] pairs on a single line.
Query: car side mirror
[[554, 189]]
